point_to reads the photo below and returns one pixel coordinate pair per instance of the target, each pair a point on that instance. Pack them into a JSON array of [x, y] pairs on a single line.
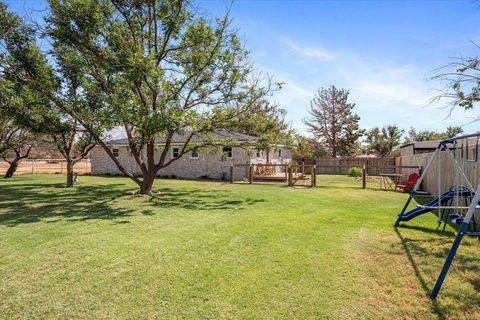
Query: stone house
[[212, 162]]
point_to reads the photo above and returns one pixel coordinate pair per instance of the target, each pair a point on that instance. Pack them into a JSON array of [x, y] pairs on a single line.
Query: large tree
[[154, 68], [15, 142], [19, 150], [332, 121], [383, 142], [24, 70], [74, 145]]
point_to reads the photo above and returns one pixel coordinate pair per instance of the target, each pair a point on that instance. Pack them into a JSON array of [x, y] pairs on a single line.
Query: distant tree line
[[335, 131]]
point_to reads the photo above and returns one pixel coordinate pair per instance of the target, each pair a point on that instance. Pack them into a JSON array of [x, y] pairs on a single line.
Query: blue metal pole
[[449, 260], [397, 222]]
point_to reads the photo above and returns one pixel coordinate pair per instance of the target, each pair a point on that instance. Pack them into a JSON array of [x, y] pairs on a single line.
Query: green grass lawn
[[214, 250]]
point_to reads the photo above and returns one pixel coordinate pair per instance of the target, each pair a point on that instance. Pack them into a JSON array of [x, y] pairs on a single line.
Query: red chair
[[412, 180]]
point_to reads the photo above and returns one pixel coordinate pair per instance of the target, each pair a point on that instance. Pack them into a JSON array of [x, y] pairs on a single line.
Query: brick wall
[[210, 163]]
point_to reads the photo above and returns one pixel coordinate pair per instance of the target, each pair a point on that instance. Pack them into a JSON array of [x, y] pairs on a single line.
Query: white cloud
[[398, 95], [317, 53], [384, 90]]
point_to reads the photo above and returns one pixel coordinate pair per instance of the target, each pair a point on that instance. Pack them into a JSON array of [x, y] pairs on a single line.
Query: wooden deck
[[274, 177]]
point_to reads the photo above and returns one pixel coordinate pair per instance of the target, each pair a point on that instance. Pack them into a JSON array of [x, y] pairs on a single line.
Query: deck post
[[231, 173], [364, 177], [290, 175]]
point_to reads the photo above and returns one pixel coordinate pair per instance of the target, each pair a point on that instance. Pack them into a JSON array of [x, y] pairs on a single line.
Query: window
[[194, 154], [228, 152], [175, 152], [115, 153], [259, 154], [279, 153]]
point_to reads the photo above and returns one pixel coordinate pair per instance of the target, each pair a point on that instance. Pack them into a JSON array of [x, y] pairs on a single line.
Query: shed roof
[[422, 144]]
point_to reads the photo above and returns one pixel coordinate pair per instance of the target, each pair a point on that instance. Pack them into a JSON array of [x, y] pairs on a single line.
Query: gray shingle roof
[[218, 135]]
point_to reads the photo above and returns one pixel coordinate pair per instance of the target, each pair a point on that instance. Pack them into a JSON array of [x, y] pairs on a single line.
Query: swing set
[[454, 163]]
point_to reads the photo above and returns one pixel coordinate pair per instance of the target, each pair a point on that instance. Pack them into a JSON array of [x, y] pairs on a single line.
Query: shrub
[[354, 172]]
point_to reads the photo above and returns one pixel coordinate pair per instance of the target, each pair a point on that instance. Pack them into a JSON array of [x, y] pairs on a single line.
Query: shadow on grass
[[347, 187], [22, 203], [28, 203], [446, 233], [197, 199], [466, 265]]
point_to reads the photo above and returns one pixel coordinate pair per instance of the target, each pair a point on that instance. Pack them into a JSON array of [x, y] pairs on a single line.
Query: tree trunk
[[147, 183], [11, 170], [69, 174]]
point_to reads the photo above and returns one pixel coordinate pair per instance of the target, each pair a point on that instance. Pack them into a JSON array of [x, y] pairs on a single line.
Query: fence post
[[231, 173], [314, 176], [250, 175], [61, 167], [364, 177], [420, 172], [33, 166]]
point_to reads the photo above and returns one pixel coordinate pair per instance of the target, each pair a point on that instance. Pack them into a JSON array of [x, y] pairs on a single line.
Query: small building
[[212, 162], [413, 148]]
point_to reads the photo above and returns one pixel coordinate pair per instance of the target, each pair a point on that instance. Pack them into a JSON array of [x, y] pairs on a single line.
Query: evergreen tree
[[331, 120]]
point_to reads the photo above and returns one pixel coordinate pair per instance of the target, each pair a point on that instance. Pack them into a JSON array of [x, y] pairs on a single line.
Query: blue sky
[[384, 52]]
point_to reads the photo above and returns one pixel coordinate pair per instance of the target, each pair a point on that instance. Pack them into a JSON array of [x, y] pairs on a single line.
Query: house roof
[[217, 135]]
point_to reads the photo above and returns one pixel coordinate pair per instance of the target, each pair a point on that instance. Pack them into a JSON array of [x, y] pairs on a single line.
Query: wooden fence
[[442, 170], [58, 166], [339, 166]]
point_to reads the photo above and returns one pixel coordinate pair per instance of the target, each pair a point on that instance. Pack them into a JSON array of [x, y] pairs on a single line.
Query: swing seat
[[456, 218]]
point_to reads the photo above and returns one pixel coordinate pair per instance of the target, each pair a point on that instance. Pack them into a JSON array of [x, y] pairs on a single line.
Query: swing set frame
[[444, 146]]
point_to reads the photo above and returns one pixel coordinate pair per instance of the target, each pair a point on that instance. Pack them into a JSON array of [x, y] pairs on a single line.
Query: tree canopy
[[331, 120], [305, 148], [30, 88], [384, 141], [153, 68], [428, 135], [461, 79]]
